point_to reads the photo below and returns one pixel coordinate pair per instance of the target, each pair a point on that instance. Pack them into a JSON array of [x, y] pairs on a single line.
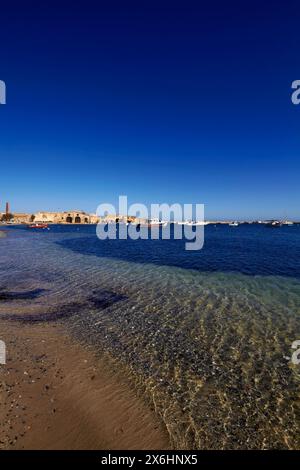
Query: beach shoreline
[[55, 394]]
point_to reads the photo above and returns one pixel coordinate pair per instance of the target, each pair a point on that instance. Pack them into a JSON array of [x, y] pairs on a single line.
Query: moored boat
[[274, 224], [157, 223], [288, 223], [192, 222]]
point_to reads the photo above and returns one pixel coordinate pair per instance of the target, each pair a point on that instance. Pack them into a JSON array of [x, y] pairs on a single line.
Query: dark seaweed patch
[[104, 299], [99, 301], [26, 295], [65, 311]]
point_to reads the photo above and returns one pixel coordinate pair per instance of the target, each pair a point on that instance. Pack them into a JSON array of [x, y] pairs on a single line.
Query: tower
[[7, 211]]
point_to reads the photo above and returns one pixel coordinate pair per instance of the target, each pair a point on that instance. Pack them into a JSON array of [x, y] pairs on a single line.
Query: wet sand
[[54, 394]]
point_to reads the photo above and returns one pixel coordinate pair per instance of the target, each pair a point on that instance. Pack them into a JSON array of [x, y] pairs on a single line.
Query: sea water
[[206, 335]]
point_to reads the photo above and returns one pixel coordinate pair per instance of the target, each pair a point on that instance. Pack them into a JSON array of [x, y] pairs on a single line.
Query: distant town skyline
[[165, 103], [130, 213]]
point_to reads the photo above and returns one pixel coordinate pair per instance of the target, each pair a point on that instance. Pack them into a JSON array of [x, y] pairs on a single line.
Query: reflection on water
[[208, 347]]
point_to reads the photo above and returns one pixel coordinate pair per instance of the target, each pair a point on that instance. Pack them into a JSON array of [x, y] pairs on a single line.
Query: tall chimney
[[7, 210]]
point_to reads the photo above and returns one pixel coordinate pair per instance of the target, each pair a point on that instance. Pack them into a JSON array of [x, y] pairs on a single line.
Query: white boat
[[274, 224], [157, 223], [234, 224], [192, 223], [200, 222]]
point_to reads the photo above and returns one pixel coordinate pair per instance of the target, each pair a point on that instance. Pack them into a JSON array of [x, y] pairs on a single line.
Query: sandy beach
[[56, 395]]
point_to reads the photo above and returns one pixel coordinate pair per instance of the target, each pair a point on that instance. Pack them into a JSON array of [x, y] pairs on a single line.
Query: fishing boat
[[274, 224], [234, 224], [199, 222], [157, 223], [37, 225], [153, 223], [288, 223], [192, 223]]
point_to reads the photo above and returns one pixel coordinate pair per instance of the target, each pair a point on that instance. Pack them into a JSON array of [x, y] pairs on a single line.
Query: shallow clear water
[[205, 334]]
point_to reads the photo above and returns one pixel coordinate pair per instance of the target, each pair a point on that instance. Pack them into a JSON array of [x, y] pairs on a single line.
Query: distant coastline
[[79, 217], [83, 218]]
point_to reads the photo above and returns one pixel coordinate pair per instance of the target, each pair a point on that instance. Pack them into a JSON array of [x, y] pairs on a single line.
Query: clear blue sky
[[162, 101]]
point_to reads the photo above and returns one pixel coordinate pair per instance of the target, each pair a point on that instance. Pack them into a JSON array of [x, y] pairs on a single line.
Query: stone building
[[17, 218], [66, 217], [22, 218]]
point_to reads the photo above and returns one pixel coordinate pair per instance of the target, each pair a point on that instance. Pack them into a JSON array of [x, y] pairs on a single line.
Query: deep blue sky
[[162, 101]]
